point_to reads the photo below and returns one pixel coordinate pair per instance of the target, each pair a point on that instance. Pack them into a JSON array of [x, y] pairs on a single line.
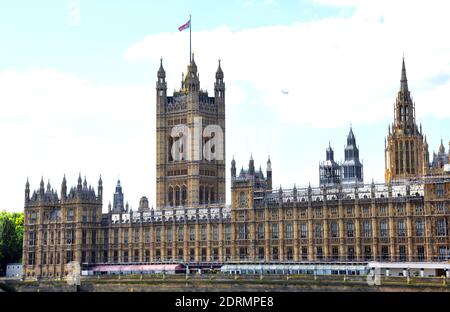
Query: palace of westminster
[[404, 219]]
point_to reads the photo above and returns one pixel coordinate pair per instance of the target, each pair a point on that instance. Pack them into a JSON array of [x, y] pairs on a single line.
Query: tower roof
[[441, 147], [161, 71], [403, 80], [219, 72], [351, 137]]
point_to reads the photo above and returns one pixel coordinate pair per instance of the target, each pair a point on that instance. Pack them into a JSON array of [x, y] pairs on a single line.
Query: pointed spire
[[27, 185], [48, 185], [85, 183], [219, 72], [351, 137], [441, 147], [161, 71], [42, 184], [269, 165], [404, 80]]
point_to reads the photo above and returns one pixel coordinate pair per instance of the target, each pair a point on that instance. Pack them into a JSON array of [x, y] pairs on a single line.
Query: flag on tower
[[185, 26]]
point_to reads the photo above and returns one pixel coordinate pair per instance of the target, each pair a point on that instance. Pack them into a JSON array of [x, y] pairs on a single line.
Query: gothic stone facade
[[402, 220]]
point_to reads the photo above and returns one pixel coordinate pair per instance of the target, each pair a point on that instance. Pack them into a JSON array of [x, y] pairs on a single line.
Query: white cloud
[[337, 70], [54, 123]]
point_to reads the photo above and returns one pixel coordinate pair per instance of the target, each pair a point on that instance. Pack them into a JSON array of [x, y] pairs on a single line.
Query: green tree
[[11, 237]]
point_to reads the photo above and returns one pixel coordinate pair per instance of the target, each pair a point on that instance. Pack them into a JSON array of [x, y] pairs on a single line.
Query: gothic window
[[69, 256], [177, 196], [84, 216], [70, 215], [136, 235], [180, 233], [260, 231], [407, 156], [334, 252], [192, 232], [384, 252], [350, 229], [227, 232], [116, 236], [351, 253], [206, 195], [203, 232], [334, 230], [289, 231], [304, 230], [396, 158], [201, 195], [401, 157], [275, 253], [319, 253], [261, 253], [31, 258], [441, 227], [402, 253], [170, 197], [242, 231], [125, 236], [318, 230], [242, 200], [83, 236], [212, 196], [183, 195], [158, 234], [169, 234], [440, 189], [383, 228], [401, 228], [367, 253], [215, 232], [419, 227], [274, 230], [366, 228]]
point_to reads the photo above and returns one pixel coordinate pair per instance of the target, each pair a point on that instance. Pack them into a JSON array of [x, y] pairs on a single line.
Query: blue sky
[[77, 83]]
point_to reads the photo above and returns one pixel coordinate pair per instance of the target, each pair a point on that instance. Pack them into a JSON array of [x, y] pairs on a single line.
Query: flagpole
[[190, 38]]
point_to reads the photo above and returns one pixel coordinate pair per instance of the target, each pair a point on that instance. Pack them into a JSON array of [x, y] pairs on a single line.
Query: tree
[[11, 238]]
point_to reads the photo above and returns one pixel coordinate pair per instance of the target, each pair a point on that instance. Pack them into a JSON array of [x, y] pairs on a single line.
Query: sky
[[77, 84]]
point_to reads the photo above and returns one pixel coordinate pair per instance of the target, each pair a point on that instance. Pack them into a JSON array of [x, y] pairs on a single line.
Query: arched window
[[241, 199], [206, 195], [200, 195], [183, 195], [170, 197], [211, 196], [177, 196]]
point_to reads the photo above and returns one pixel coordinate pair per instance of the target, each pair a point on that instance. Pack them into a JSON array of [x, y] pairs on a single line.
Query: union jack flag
[[185, 26]]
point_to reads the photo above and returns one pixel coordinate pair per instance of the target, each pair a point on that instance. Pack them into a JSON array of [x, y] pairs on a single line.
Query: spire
[[63, 187], [404, 80], [79, 182], [27, 191], [219, 72], [161, 71], [233, 168], [351, 137], [269, 165], [41, 188], [442, 148], [251, 165], [85, 183], [330, 152]]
